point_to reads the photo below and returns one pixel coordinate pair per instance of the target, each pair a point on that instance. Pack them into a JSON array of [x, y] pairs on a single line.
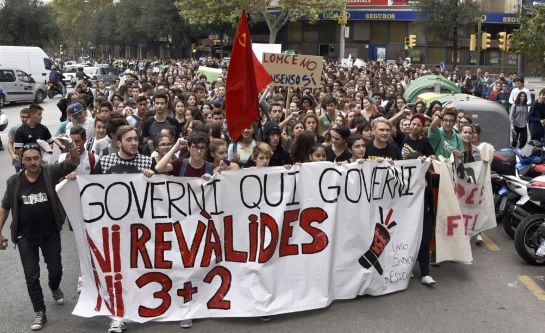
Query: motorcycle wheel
[[2, 100], [50, 93], [528, 238], [507, 221], [40, 96]]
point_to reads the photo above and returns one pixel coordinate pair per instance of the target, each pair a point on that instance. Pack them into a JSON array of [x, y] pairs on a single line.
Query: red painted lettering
[[212, 244], [252, 230], [451, 225], [266, 252], [189, 254], [161, 245], [319, 238], [230, 253], [140, 234], [287, 249]]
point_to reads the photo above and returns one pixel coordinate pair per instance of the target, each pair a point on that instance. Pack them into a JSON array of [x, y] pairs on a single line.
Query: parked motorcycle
[[530, 233], [513, 169]]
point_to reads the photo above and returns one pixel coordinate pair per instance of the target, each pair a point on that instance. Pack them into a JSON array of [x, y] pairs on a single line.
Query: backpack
[[91, 158], [209, 167]]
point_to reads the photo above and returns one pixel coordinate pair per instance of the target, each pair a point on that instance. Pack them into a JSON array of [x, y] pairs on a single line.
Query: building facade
[[376, 29]]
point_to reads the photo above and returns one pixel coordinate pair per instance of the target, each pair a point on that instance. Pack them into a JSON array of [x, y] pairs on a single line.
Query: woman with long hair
[[218, 156], [518, 115]]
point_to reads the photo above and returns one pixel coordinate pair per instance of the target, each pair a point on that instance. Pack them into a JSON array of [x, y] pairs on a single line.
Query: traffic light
[[502, 40], [412, 41], [61, 49], [473, 42], [508, 43], [194, 47], [406, 43], [485, 41]]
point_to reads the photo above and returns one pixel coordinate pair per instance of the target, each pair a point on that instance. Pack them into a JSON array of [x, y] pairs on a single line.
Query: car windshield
[[90, 70]]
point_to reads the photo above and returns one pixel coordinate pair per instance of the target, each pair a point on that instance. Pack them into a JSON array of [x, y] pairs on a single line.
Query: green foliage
[[529, 38], [443, 18], [220, 14], [27, 22], [101, 23]]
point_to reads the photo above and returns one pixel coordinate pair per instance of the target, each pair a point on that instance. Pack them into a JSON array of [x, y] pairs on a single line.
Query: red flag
[[245, 78]]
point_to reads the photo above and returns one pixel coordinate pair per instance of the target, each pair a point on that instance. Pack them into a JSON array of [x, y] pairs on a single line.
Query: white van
[[18, 86], [29, 59]]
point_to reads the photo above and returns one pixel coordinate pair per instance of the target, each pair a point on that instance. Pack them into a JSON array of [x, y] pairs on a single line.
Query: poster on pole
[[294, 70], [247, 243]]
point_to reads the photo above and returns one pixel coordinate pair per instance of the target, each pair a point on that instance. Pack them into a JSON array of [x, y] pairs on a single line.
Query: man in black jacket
[[37, 218]]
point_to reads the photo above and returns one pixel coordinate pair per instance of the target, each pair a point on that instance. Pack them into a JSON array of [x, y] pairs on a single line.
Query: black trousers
[[536, 131], [51, 251], [427, 231], [520, 136]]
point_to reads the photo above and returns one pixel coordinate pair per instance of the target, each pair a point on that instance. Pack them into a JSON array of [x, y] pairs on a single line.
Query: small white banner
[[465, 208]]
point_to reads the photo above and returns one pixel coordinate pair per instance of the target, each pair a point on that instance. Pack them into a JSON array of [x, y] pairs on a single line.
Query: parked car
[[18, 86], [97, 73], [70, 74]]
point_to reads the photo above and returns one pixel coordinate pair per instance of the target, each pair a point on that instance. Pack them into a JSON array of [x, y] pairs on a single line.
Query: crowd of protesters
[[166, 118]]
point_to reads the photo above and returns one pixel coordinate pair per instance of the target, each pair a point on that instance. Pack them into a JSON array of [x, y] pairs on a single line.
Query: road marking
[[527, 281], [489, 244]]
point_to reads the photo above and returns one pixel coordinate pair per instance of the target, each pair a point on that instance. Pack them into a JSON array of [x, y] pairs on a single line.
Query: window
[[47, 63], [23, 77], [7, 76], [398, 32], [379, 33]]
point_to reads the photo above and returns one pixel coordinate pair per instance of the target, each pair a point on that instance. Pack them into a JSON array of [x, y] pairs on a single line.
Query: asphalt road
[[486, 296]]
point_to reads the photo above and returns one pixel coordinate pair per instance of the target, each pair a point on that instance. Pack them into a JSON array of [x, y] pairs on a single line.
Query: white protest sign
[[359, 63], [464, 209], [253, 242], [294, 70], [212, 74], [260, 48], [346, 63]]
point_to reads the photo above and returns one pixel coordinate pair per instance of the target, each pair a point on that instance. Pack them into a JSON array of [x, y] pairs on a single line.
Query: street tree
[[275, 13], [75, 21], [528, 38], [444, 19], [27, 22], [291, 10]]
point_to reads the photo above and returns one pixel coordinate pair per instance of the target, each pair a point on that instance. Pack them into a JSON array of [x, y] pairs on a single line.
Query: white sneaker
[[187, 323], [117, 326], [427, 280], [479, 240]]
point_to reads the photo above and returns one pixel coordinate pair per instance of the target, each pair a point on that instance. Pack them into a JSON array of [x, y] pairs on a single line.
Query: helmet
[[53, 68]]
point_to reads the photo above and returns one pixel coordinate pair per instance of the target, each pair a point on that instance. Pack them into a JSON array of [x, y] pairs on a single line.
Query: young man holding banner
[[126, 160], [37, 219]]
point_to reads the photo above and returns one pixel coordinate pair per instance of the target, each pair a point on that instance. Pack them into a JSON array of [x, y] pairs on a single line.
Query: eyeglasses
[[199, 148], [32, 145]]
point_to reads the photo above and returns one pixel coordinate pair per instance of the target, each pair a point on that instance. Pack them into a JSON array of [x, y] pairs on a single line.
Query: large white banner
[[253, 242], [465, 208]]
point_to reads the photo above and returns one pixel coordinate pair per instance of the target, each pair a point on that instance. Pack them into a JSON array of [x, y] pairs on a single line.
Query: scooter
[[54, 89], [530, 233], [511, 176]]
